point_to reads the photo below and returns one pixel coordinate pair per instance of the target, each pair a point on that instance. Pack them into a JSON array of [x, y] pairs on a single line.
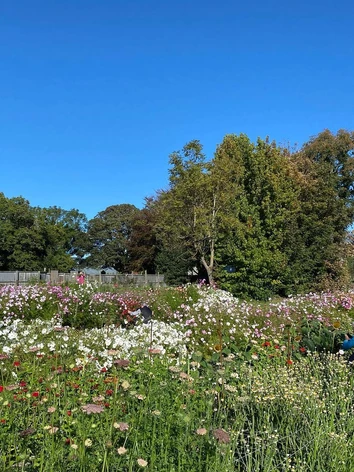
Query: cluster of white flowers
[[104, 344]]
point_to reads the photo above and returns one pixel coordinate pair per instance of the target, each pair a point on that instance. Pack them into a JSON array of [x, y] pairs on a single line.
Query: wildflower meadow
[[211, 383]]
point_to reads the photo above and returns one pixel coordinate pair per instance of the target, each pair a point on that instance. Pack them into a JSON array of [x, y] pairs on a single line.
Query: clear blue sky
[[94, 95]]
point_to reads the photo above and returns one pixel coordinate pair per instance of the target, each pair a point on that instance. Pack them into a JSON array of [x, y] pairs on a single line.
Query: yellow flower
[[336, 324], [217, 347]]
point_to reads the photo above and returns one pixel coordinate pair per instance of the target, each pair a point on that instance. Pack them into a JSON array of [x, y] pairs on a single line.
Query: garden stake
[[150, 338], [288, 354]]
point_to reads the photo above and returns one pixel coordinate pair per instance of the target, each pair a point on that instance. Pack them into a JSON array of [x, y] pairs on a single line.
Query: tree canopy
[[256, 218]]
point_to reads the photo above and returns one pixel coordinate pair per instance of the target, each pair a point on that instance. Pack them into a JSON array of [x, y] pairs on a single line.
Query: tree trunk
[[209, 270]]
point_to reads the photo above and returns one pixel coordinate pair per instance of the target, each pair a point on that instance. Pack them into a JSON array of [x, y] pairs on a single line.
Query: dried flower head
[[92, 408], [222, 436], [121, 426]]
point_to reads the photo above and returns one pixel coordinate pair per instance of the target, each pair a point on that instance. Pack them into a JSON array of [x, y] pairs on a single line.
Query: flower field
[[212, 383]]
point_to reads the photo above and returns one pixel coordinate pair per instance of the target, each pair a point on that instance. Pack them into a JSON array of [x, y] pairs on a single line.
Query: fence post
[[54, 276], [17, 277], [146, 278]]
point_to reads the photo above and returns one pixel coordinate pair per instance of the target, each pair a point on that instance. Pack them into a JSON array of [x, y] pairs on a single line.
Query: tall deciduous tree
[[142, 245], [190, 210], [109, 235], [65, 235], [317, 237], [37, 238]]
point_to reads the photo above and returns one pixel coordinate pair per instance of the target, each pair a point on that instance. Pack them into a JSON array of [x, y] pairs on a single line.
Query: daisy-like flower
[[88, 442], [142, 462], [201, 431], [121, 450], [125, 384]]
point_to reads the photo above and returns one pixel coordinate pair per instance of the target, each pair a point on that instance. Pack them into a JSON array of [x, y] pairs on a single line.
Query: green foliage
[[188, 213], [316, 235], [109, 233], [35, 238], [320, 337], [175, 263], [142, 244], [258, 220], [275, 221], [252, 248], [167, 301]]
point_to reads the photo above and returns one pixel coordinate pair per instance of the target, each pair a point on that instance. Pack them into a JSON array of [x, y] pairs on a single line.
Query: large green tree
[[109, 234], [142, 244], [65, 235], [316, 239], [37, 238], [22, 245], [190, 211], [251, 260]]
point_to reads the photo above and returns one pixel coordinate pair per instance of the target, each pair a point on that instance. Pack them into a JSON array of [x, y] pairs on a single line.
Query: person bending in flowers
[[143, 313], [348, 343]]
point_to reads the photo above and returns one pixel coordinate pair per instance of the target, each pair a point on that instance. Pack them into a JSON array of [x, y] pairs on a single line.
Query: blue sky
[[95, 95]]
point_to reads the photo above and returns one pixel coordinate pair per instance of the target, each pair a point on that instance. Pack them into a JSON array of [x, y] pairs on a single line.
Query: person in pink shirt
[[80, 278]]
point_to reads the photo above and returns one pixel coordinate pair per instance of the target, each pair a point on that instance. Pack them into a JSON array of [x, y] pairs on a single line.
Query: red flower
[[289, 361], [17, 363], [302, 349], [68, 412], [109, 392], [266, 344], [35, 394], [1, 388], [22, 384]]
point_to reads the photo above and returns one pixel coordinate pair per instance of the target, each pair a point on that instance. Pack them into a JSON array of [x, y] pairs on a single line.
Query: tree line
[[258, 219]]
